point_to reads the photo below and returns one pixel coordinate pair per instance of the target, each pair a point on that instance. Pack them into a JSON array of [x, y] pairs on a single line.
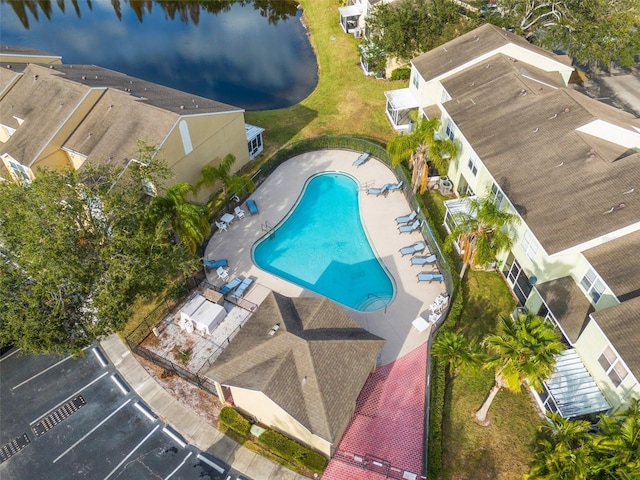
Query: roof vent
[[84, 77], [35, 77], [476, 38], [487, 65], [130, 82], [273, 330], [181, 107], [629, 191], [304, 380], [9, 66], [560, 164], [51, 67], [553, 116], [567, 110], [535, 130], [522, 93]]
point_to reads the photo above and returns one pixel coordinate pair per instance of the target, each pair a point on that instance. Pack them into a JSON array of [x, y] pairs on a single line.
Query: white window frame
[[450, 130], [415, 80], [497, 195], [616, 371], [20, 172], [472, 164], [529, 244], [592, 285]]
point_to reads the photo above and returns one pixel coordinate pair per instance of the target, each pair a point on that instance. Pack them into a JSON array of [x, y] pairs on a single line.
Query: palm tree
[[421, 147], [455, 349], [523, 350], [481, 233], [222, 173], [563, 451], [188, 219], [617, 444]]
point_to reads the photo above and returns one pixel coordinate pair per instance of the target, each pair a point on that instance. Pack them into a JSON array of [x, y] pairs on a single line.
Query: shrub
[[293, 451], [235, 421], [403, 73]]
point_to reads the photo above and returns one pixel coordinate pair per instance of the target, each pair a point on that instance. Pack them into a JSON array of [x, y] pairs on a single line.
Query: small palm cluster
[[189, 219]]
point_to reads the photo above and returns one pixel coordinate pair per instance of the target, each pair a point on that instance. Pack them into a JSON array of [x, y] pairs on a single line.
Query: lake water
[[254, 55]]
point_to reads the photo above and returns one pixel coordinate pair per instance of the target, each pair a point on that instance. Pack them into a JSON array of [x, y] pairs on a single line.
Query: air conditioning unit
[[357, 33]]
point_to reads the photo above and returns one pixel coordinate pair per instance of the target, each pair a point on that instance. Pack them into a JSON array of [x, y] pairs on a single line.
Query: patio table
[[227, 218]]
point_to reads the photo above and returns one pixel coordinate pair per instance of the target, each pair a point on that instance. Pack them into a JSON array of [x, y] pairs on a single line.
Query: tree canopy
[[406, 28], [76, 249], [593, 32]]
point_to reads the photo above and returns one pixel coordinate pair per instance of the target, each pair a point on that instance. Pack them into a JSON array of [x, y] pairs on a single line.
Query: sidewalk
[[190, 425]]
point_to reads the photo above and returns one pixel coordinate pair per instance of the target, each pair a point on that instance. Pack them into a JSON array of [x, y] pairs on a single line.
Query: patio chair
[[243, 287], [215, 263], [394, 186], [413, 249], [229, 286], [252, 207], [239, 212], [378, 190], [430, 277], [222, 273], [361, 159], [221, 225], [409, 228], [424, 260], [407, 218]]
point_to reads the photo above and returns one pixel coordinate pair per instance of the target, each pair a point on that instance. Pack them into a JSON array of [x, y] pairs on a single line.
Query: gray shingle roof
[[618, 264], [620, 324], [561, 181], [469, 46], [313, 367], [568, 304]]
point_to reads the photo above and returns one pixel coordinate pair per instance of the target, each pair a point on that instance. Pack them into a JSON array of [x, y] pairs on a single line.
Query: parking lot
[[65, 418]]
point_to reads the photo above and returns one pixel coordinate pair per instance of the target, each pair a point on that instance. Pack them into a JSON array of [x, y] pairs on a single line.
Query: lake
[[251, 54]]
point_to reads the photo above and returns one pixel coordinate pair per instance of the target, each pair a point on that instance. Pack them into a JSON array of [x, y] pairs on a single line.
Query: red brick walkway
[[389, 419]]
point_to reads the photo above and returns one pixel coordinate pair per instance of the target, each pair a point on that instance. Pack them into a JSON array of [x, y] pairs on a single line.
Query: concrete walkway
[[190, 425]]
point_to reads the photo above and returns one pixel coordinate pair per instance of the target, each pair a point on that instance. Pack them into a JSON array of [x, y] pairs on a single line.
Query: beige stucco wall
[[590, 346], [23, 58], [212, 137], [265, 411]]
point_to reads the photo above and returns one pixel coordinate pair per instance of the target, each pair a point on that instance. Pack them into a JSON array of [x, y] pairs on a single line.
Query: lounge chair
[[361, 159], [409, 228], [221, 225], [407, 218], [222, 273], [378, 190], [430, 277], [239, 212], [423, 260], [412, 249], [394, 186], [243, 286], [215, 263], [227, 287], [252, 207]]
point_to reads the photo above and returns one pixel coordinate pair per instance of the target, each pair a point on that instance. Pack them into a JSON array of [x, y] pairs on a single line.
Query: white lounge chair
[[407, 218], [221, 225], [413, 249], [394, 186], [239, 212], [361, 159], [424, 260], [222, 273], [378, 190]]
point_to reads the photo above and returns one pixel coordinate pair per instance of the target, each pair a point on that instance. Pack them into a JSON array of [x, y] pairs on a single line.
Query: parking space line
[[178, 467], [43, 371], [91, 431], [131, 452], [68, 398], [12, 353]]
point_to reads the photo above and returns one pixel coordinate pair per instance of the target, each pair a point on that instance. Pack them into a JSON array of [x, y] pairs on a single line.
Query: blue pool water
[[322, 246]]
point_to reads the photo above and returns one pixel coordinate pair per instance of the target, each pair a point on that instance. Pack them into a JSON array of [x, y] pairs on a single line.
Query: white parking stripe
[[14, 352], [131, 452], [43, 371], [68, 398], [178, 467], [91, 431]]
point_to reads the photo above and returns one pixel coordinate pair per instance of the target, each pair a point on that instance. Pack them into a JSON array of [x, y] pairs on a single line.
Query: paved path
[[193, 427]]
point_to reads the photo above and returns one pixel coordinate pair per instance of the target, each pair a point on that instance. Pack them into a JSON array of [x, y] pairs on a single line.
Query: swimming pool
[[322, 246]]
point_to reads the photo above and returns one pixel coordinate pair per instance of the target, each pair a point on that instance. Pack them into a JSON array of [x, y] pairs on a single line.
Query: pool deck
[[275, 198]]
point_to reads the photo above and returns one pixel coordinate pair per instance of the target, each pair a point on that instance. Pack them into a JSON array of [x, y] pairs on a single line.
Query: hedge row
[[293, 451], [233, 420]]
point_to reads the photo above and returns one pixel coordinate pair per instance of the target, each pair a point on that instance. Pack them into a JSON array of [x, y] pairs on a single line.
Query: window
[[473, 165], [415, 80], [496, 195], [19, 171], [592, 285], [451, 131], [529, 244], [613, 366]]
